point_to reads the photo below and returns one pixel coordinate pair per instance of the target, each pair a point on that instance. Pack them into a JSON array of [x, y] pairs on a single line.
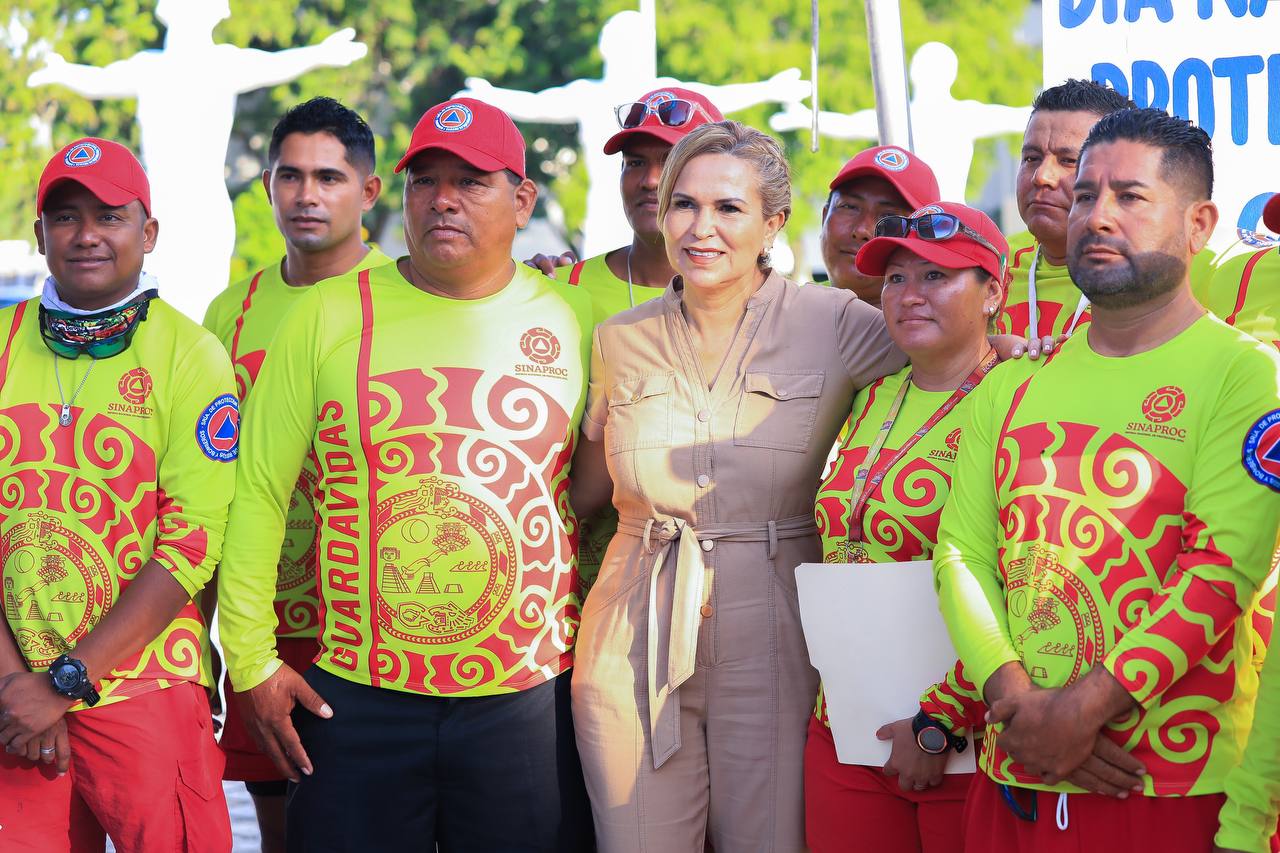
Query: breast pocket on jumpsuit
[[778, 409], [777, 412]]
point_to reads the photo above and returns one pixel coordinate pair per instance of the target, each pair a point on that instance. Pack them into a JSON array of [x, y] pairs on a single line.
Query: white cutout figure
[[943, 129], [186, 104], [628, 44]]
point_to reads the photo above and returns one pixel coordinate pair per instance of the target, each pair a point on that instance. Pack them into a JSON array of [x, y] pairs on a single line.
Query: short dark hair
[[1187, 158], [325, 115], [1081, 96]]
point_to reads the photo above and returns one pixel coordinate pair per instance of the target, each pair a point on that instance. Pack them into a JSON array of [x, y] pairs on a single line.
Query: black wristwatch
[[71, 679], [933, 737]]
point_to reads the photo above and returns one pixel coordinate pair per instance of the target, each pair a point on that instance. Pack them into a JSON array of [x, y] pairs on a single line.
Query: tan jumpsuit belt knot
[[692, 591]]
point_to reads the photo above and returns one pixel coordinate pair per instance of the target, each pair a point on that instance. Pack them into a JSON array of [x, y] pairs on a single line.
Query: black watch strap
[[923, 721]]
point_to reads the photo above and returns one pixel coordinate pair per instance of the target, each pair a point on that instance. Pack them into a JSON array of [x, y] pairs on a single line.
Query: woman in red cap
[[944, 274]]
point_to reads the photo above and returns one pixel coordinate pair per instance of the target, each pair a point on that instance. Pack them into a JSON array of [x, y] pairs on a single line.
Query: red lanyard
[[869, 476]]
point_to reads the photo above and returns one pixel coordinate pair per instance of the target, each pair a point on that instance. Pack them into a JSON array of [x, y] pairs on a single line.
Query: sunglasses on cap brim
[[674, 113], [936, 228]]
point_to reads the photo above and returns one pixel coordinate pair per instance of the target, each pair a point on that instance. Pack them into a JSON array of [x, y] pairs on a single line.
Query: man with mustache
[[440, 397], [320, 180], [1042, 301], [878, 182], [1132, 481]]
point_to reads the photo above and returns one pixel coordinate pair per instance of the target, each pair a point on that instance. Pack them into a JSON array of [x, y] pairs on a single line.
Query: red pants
[[245, 762], [1094, 823], [146, 771], [849, 807]]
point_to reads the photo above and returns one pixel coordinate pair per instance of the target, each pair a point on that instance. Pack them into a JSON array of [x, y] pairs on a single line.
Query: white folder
[[876, 637]]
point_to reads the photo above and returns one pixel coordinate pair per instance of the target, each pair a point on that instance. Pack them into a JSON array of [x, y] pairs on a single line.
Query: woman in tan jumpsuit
[[714, 409]]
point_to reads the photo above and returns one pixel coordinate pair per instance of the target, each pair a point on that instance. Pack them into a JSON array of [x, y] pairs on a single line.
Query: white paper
[[877, 638]]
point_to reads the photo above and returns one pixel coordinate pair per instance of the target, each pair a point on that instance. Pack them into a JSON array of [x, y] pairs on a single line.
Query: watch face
[[932, 740], [66, 677]]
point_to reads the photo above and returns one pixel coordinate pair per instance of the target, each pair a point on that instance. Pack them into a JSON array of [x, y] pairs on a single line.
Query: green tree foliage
[[771, 34], [420, 51]]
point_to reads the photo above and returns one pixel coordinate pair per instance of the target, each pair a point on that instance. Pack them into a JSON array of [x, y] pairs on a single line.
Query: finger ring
[[48, 750]]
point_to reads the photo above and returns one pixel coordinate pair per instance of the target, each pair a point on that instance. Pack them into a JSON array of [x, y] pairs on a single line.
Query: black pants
[[396, 771]]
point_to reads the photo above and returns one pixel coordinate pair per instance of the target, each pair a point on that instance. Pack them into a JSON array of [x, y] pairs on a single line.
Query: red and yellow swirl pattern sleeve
[[245, 318], [1122, 513], [142, 473], [901, 518], [443, 430]]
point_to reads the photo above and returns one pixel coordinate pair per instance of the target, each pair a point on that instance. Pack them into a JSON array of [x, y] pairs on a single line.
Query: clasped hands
[[1057, 733], [32, 720]]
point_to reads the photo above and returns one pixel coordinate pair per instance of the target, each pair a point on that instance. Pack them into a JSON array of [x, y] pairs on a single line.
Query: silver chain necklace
[[64, 418]]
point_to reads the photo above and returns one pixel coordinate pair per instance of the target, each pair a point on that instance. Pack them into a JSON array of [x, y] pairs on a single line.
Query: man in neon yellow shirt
[[876, 182], [1245, 291], [441, 397], [1042, 300], [320, 180], [1248, 820], [119, 429], [1132, 489], [635, 273]]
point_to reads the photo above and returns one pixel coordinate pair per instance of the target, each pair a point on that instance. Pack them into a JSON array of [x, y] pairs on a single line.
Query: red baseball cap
[[909, 175], [958, 252], [1271, 213], [481, 134], [105, 168], [651, 126]]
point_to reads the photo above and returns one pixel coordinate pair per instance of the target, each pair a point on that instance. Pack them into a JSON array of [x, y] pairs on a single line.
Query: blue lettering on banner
[[1204, 8], [1150, 85], [1073, 13]]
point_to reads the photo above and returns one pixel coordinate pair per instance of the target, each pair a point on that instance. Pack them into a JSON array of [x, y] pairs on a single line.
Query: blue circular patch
[[1261, 452], [893, 159], [218, 429], [83, 154], [453, 118], [1248, 225]]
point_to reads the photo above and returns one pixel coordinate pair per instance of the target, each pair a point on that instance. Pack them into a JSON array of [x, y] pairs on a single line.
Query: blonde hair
[[773, 174]]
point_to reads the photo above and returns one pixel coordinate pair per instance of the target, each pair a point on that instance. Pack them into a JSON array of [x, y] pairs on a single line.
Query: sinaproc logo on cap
[[893, 159], [660, 98], [83, 154], [926, 210], [453, 118]]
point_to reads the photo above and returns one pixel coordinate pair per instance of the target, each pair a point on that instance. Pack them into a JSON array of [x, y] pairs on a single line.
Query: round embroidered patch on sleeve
[[1262, 450], [218, 429]]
